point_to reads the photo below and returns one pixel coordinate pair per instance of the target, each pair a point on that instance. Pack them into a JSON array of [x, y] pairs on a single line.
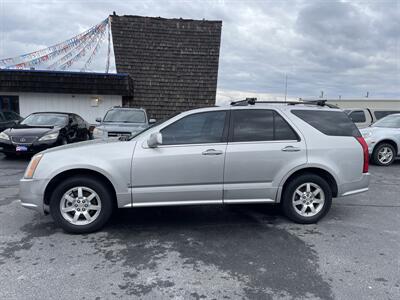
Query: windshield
[[392, 121], [125, 116], [45, 120]]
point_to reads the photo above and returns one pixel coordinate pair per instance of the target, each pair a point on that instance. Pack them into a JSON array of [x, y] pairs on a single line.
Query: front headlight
[[4, 136], [30, 170], [98, 133], [51, 136]]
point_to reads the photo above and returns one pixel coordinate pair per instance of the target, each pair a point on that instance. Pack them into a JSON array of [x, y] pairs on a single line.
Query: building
[[163, 65], [391, 104], [173, 62], [87, 94]]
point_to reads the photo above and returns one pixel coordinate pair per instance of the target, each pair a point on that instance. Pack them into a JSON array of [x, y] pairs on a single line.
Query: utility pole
[[285, 86]]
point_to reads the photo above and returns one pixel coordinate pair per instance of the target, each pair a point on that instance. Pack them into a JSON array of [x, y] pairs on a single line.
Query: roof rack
[[253, 101]]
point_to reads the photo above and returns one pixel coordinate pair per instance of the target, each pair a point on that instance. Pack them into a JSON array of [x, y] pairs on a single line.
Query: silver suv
[[122, 121], [298, 155]]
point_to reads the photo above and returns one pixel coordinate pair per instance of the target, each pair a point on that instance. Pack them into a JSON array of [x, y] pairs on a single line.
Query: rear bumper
[[31, 193], [356, 187]]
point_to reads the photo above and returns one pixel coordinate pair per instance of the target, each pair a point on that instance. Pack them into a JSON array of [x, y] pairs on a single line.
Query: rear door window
[[357, 116], [251, 125], [334, 123]]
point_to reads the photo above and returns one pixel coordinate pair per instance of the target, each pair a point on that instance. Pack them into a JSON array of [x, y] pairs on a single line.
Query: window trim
[[230, 136], [225, 130]]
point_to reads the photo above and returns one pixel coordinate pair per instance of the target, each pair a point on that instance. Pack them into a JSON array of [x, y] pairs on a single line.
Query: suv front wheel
[[81, 204], [306, 199]]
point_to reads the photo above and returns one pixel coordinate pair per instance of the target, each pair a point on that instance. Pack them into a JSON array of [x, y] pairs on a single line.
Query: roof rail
[[253, 101], [244, 102]]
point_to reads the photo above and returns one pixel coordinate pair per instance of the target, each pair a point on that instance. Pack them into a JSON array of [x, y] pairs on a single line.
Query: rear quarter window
[[379, 114], [333, 123]]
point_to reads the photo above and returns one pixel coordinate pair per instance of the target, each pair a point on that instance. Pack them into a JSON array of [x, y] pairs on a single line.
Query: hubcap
[[80, 205], [308, 199], [385, 155]]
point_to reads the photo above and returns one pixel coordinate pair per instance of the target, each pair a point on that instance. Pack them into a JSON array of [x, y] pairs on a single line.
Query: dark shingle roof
[[65, 82], [173, 62]]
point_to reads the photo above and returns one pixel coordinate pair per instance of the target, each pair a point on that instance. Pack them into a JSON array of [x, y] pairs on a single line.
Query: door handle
[[290, 149], [212, 152]]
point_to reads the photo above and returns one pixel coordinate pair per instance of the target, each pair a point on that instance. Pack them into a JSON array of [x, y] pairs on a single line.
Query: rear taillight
[[364, 146]]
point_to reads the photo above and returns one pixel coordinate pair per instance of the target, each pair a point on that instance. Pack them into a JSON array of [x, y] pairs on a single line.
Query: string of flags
[[63, 55]]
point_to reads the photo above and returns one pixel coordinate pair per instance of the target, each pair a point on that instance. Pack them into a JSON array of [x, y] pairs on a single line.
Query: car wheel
[[384, 154], [81, 205], [64, 141], [306, 199]]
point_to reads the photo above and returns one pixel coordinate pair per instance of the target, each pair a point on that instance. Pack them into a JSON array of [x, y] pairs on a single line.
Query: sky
[[343, 48]]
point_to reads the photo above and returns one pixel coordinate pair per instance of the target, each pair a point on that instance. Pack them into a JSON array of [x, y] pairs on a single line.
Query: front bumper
[[31, 193], [356, 187], [36, 147]]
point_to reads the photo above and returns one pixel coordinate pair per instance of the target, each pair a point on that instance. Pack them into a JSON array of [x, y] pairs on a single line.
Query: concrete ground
[[209, 252]]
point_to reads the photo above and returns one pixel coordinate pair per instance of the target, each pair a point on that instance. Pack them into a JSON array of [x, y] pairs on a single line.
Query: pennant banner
[[67, 50]]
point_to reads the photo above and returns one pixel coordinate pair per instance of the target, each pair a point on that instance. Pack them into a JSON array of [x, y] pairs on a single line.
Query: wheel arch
[[330, 179], [75, 172], [387, 141]]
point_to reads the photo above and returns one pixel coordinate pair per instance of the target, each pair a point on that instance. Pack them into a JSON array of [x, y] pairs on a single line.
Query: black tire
[[288, 194], [64, 141], [380, 147], [94, 184]]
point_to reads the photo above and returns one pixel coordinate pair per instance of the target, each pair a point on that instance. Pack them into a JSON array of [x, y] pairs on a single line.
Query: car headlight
[[4, 136], [367, 134], [98, 133], [30, 170], [51, 136]]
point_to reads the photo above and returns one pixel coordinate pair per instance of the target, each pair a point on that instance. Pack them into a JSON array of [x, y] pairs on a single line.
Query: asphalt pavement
[[206, 252]]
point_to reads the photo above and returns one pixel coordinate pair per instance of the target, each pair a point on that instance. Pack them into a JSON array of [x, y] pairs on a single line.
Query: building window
[[9, 103]]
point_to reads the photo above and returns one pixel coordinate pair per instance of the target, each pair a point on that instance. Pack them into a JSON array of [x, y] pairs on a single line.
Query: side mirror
[[154, 140], [98, 120], [152, 121]]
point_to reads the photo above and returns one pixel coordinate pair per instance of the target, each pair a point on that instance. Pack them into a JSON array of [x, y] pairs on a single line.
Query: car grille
[[115, 133], [23, 139]]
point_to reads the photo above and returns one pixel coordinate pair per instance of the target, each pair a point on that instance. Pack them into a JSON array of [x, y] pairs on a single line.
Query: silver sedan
[[383, 139]]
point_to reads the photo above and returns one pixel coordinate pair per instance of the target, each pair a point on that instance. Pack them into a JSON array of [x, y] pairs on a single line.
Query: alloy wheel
[[80, 205], [385, 155], [308, 199]]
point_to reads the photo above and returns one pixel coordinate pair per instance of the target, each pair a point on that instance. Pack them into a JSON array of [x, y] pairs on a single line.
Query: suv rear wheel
[[81, 205], [384, 154], [306, 199]]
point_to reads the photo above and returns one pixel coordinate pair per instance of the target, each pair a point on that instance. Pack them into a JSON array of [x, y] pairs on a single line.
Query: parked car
[[383, 139], [298, 155], [8, 119], [43, 130], [122, 121], [364, 117]]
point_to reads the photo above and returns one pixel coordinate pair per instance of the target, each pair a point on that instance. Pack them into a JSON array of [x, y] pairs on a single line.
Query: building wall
[[173, 62], [367, 103], [82, 105]]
